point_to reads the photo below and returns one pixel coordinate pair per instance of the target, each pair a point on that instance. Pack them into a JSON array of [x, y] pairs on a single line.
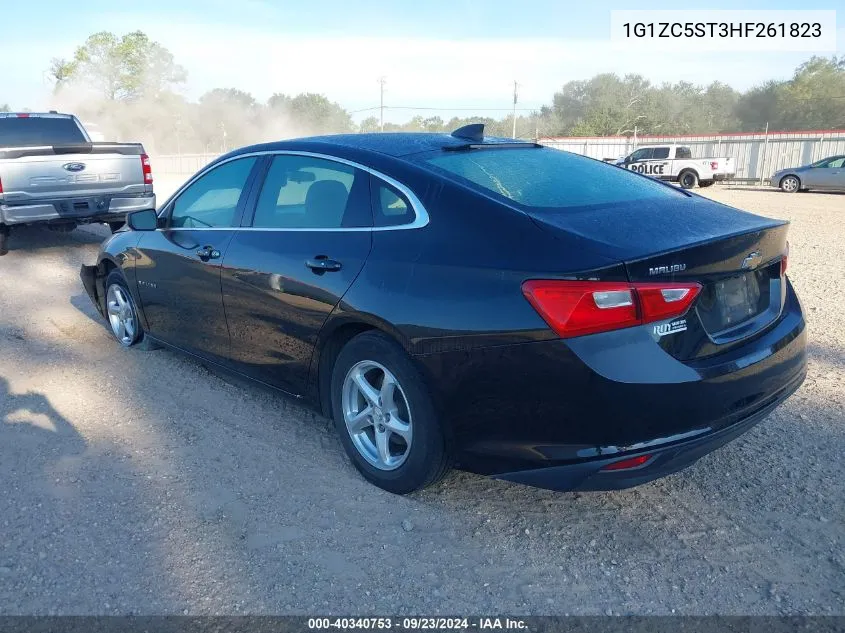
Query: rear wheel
[[790, 184], [116, 226], [688, 179], [385, 417], [4, 239], [122, 314]]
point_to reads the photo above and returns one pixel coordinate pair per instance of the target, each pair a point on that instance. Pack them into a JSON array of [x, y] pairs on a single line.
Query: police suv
[[675, 163]]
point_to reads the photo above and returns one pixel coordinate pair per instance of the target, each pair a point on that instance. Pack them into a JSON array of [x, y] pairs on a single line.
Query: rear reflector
[[625, 464], [576, 308], [146, 169], [23, 115]]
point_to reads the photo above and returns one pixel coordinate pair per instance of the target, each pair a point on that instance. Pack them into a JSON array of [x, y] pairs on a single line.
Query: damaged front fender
[[93, 282]]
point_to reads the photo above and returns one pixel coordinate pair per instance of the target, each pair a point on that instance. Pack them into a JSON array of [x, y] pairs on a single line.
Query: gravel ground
[[138, 482]]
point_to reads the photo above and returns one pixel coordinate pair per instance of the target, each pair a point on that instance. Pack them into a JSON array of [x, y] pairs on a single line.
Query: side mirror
[[145, 220]]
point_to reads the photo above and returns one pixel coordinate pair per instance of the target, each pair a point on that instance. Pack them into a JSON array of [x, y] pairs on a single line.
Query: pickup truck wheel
[[790, 184], [4, 239], [706, 183], [688, 179], [122, 314], [116, 226]]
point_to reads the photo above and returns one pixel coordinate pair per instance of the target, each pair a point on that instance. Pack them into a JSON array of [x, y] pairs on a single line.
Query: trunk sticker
[[672, 327]]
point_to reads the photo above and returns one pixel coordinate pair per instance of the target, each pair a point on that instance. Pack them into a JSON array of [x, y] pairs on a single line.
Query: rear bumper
[[553, 413], [86, 209], [665, 459]]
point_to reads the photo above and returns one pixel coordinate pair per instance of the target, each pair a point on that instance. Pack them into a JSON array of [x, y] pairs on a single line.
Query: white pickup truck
[[51, 173], [675, 163]]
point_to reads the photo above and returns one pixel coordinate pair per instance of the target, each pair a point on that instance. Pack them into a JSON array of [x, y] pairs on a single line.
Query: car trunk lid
[[735, 256]]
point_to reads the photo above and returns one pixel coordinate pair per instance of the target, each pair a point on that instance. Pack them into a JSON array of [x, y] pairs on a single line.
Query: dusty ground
[[137, 482]]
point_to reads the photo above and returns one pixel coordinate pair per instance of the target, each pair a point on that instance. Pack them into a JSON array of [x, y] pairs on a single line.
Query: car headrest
[[325, 202]]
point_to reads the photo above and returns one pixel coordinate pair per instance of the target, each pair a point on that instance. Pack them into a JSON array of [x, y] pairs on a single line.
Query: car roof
[[389, 143]]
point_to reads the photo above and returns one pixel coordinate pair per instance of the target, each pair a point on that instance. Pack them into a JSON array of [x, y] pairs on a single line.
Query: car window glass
[[392, 208], [837, 163], [642, 154], [212, 200], [661, 152], [304, 192], [532, 177], [683, 152]]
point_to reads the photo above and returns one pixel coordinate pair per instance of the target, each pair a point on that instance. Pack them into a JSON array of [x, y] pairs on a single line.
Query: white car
[[676, 164]]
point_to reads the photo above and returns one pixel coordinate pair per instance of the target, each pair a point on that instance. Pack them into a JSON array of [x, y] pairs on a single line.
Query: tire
[[4, 240], [116, 226], [416, 456], [790, 184], [116, 287], [706, 183], [688, 179]]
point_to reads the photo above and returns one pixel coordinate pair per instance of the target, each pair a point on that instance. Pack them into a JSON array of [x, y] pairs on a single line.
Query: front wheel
[[688, 179], [122, 314], [384, 416], [790, 184]]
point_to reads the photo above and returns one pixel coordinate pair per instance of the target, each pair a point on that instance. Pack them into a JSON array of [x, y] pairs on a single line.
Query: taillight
[[576, 308], [714, 165], [23, 115], [1, 186], [146, 169], [783, 260]]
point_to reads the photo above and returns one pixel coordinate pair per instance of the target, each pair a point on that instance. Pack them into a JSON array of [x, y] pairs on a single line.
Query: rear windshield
[[28, 131], [548, 178]]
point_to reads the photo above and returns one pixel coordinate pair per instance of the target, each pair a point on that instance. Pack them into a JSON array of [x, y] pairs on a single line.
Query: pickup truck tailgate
[[31, 174]]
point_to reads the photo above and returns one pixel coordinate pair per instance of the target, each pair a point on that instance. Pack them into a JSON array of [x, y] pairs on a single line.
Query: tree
[[122, 68], [5, 108]]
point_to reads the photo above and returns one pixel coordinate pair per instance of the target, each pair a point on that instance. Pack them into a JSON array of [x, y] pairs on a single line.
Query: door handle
[[322, 264], [208, 252]]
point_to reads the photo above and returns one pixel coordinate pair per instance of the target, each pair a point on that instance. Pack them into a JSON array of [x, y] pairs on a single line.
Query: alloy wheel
[[377, 415], [121, 315]]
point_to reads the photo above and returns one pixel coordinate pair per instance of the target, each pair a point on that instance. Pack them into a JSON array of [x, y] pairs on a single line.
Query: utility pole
[[381, 82], [515, 98]]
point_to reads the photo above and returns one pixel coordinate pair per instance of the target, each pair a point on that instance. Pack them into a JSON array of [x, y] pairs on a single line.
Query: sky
[[457, 57]]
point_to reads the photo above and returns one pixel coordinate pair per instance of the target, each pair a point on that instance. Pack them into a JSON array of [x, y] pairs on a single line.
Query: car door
[[637, 160], [307, 240], [178, 265], [658, 164], [831, 175]]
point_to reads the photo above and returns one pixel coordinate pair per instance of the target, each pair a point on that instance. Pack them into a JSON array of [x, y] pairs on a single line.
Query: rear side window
[[391, 207], [211, 201], [660, 152], [304, 192], [33, 131], [548, 178], [683, 152]]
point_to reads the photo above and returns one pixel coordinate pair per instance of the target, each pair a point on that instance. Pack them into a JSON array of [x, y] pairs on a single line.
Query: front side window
[[212, 200], [305, 192], [836, 163], [642, 154]]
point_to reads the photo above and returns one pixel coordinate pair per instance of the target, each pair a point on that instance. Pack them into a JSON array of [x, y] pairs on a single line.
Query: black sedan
[[510, 309]]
